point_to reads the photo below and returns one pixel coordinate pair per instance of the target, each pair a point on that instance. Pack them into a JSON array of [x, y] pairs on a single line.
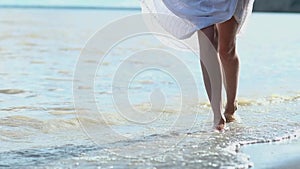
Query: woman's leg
[[230, 62], [211, 70]]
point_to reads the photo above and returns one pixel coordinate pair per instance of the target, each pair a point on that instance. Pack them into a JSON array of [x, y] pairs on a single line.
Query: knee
[[228, 52], [211, 33]]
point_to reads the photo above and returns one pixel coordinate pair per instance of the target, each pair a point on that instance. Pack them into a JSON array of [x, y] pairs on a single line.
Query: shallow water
[[39, 126]]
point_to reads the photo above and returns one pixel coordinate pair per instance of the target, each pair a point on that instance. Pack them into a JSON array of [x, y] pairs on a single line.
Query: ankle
[[231, 107]]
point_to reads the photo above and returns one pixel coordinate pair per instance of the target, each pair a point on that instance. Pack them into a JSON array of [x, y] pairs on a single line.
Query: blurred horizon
[[259, 5], [71, 2]]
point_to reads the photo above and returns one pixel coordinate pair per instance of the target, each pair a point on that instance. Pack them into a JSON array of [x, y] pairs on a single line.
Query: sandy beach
[[41, 128]]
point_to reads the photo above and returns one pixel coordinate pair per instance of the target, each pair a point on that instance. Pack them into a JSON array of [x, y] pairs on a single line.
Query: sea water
[[39, 126]]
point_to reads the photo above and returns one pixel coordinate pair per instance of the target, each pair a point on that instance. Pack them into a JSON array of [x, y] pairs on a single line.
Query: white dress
[[188, 16]]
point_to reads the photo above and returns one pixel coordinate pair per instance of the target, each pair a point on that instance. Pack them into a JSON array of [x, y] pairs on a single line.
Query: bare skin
[[230, 63], [212, 73], [223, 38]]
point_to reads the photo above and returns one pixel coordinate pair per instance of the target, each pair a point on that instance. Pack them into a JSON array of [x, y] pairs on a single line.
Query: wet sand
[[40, 129], [283, 155]]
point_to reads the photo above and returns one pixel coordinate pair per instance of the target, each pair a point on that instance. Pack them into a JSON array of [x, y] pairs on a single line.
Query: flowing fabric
[[188, 16], [182, 18]]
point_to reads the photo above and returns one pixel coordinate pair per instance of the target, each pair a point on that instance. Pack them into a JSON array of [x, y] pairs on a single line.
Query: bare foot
[[220, 126], [229, 113]]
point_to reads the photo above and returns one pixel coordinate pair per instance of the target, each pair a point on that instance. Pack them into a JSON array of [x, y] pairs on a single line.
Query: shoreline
[[282, 154]]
